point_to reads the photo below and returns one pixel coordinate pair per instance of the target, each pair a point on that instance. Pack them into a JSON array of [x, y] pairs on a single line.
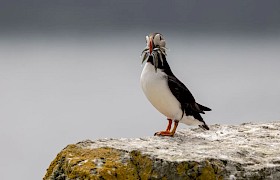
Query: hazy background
[[69, 70]]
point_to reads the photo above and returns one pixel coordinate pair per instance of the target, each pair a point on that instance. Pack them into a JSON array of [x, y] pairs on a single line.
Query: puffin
[[165, 91]]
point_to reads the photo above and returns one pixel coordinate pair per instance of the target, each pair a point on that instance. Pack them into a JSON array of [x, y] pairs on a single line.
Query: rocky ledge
[[246, 151]]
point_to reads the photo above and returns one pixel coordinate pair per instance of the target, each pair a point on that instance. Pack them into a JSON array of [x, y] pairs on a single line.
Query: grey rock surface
[[246, 151]]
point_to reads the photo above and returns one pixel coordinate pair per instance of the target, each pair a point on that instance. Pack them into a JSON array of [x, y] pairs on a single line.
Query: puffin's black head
[[155, 48]]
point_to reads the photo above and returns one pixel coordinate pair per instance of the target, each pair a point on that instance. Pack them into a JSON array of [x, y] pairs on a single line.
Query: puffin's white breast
[[156, 89]]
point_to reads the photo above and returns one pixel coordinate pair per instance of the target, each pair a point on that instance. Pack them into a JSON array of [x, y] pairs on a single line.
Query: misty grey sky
[[69, 70], [110, 16]]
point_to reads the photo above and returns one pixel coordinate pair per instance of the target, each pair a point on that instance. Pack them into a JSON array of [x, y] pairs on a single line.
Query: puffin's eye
[[160, 38]]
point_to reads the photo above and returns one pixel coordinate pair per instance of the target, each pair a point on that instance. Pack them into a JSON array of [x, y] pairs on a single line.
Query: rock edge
[[246, 151]]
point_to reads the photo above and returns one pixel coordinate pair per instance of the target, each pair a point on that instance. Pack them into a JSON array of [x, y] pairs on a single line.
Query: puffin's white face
[[155, 40]]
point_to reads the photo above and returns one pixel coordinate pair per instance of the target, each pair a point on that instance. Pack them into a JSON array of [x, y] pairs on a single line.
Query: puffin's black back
[[181, 92]]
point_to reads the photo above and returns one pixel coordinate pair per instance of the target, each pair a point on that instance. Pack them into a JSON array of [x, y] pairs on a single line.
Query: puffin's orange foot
[[164, 133], [167, 131]]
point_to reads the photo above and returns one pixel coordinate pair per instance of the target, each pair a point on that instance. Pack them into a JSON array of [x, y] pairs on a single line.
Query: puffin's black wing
[[184, 96]]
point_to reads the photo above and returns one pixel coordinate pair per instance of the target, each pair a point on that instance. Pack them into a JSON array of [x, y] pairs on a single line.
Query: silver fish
[[156, 54]]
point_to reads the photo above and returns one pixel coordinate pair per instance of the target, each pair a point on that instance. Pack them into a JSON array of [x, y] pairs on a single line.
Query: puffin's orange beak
[[151, 45]]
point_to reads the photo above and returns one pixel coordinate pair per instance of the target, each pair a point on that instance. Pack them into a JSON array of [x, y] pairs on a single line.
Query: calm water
[[57, 91]]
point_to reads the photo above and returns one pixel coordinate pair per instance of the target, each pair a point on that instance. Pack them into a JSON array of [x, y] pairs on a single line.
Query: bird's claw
[[164, 133]]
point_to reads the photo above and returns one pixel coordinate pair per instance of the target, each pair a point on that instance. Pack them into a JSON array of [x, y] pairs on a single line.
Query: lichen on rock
[[75, 162], [246, 151]]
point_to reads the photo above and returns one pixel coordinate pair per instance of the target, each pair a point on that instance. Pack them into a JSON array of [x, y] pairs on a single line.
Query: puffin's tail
[[204, 126], [203, 108]]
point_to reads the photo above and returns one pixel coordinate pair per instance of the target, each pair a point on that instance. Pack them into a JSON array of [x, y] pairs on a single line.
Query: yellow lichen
[[182, 168], [75, 162], [80, 163], [210, 170], [53, 166], [207, 172], [143, 163]]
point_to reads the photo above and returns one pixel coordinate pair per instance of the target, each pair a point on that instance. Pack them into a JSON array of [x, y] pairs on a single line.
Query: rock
[[246, 151]]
